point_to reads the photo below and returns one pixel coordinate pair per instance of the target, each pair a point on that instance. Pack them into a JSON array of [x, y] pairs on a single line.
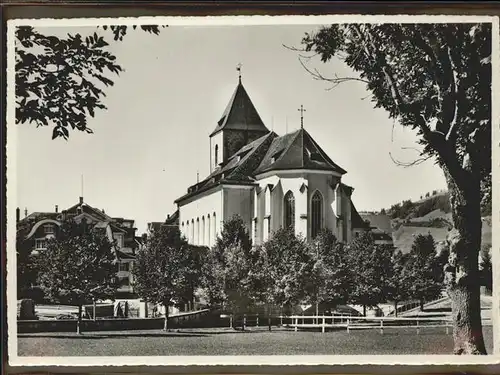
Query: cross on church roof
[[301, 110], [238, 68]]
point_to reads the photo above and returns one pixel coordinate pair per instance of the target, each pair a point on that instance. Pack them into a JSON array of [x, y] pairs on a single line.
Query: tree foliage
[[60, 82], [398, 288], [229, 266], [163, 269], [77, 266], [283, 269], [331, 279], [371, 268], [424, 269]]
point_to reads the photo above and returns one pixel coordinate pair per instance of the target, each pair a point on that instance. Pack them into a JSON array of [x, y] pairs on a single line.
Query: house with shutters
[[269, 180]]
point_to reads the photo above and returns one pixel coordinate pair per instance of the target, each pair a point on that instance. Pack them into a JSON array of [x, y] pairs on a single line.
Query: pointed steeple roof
[[240, 113], [297, 150]]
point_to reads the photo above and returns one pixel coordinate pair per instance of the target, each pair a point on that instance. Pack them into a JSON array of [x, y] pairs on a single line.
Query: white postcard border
[[15, 360]]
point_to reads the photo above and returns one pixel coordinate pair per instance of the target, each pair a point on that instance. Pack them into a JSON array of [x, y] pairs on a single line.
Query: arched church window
[[192, 231], [289, 211], [197, 240], [216, 157], [202, 242], [215, 228], [208, 230], [316, 213]]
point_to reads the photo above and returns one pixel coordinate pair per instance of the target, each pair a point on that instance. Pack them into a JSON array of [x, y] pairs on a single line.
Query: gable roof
[[297, 150], [240, 113]]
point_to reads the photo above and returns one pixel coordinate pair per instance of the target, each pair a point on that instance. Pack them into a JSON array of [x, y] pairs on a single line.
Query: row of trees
[[286, 270], [79, 266]]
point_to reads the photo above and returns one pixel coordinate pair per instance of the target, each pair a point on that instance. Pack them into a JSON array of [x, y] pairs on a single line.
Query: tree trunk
[[461, 272], [79, 320], [421, 305], [165, 322], [269, 318], [396, 309], [364, 310]]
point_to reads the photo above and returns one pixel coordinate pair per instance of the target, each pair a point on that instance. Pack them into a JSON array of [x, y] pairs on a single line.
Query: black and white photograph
[[252, 190]]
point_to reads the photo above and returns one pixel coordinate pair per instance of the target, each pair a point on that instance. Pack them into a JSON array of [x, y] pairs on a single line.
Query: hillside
[[428, 215]]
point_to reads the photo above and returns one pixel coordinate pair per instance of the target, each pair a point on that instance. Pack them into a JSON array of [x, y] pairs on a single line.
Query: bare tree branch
[[335, 80], [411, 163]]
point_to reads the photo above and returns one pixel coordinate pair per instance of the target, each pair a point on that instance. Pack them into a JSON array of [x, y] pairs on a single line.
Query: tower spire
[[81, 181], [238, 68], [301, 110]]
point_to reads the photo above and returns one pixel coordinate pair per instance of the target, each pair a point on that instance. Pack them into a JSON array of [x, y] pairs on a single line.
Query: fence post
[[447, 327], [381, 326], [302, 318], [323, 327], [230, 321], [348, 321], [296, 324], [257, 321], [418, 328]]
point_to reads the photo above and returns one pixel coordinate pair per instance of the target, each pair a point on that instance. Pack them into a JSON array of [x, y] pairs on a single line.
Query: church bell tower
[[239, 125]]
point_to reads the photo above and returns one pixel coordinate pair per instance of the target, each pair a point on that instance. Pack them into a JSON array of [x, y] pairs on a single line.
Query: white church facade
[[270, 181]]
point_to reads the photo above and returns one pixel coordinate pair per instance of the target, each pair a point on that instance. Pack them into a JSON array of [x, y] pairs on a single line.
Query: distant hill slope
[[429, 215]]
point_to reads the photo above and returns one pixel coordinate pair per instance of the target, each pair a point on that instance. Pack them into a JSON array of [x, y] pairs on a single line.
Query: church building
[[270, 181]]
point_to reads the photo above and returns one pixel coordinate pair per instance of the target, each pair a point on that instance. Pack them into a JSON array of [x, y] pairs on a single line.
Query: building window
[[123, 281], [214, 229], [289, 211], [192, 231], [202, 242], [40, 244], [216, 157], [197, 240], [208, 231], [123, 266], [119, 239], [48, 228], [316, 213]]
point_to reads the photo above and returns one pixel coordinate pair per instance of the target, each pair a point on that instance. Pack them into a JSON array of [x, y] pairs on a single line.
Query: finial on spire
[[301, 110], [238, 68]]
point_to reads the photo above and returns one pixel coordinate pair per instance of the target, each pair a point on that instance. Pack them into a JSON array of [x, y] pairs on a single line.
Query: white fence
[[362, 322], [324, 322]]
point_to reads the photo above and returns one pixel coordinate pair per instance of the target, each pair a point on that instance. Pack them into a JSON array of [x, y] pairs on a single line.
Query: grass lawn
[[228, 342]]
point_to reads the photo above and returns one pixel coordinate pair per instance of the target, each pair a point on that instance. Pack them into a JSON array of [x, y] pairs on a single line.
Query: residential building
[[45, 225]]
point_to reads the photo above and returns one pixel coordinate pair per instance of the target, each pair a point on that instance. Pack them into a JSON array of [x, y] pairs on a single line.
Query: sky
[[153, 139]]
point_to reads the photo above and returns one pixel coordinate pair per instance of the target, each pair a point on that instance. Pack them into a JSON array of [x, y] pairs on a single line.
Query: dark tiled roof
[[239, 169], [380, 235], [173, 219], [37, 216], [296, 150], [240, 114], [357, 221]]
